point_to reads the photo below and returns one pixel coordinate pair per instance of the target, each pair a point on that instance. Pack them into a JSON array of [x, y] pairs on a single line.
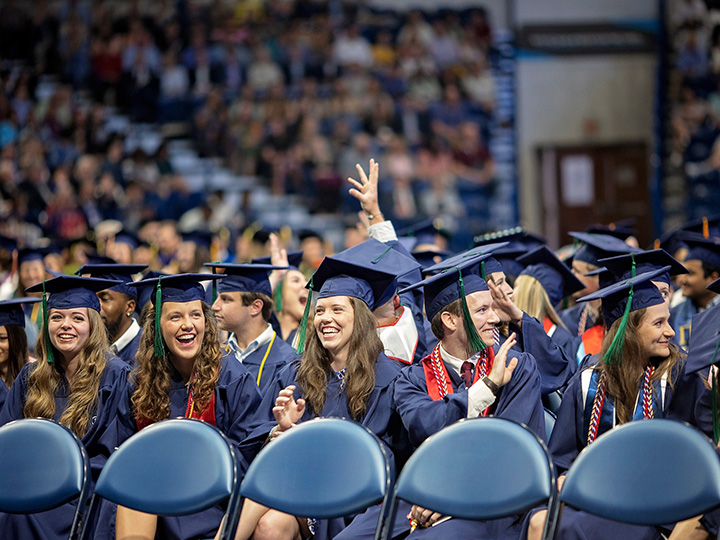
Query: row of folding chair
[[647, 472]]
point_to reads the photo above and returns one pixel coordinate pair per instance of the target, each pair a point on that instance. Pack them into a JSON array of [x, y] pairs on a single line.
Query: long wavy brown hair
[[365, 346], [17, 352], [624, 379], [152, 376], [43, 382]]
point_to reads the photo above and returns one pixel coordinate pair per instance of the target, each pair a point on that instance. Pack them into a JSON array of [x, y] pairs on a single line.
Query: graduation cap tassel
[[715, 383], [278, 297], [159, 347], [46, 333], [482, 269], [300, 348], [214, 284], [616, 347], [476, 344], [379, 257]]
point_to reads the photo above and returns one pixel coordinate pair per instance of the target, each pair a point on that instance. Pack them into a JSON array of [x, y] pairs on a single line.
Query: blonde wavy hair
[[45, 379], [152, 376], [530, 296], [365, 346], [625, 378]]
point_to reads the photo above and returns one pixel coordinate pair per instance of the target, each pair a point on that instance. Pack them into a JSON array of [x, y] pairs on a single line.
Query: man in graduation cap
[[464, 377], [117, 306], [703, 265], [243, 308]]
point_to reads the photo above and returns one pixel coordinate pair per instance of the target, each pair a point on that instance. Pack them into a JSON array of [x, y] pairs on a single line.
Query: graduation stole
[[599, 414], [206, 415], [436, 376], [549, 327]]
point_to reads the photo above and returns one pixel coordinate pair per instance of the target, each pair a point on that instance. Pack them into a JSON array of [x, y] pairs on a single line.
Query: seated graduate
[[541, 286], [117, 306], [641, 374], [553, 363], [400, 317], [181, 372], [343, 372], [243, 308], [703, 263], [13, 342], [464, 377], [75, 381]]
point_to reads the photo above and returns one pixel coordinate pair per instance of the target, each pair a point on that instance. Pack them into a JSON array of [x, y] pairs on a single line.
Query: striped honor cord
[[648, 393]]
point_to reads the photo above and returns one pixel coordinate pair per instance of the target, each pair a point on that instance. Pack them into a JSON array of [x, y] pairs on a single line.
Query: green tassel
[[715, 381], [482, 270], [633, 268], [302, 329], [476, 344], [616, 347], [77, 272], [159, 346], [278, 297], [379, 257], [46, 332]]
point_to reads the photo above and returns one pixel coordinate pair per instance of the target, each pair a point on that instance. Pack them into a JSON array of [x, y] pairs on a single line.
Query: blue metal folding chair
[[647, 472], [42, 466], [323, 468], [522, 475], [172, 468]]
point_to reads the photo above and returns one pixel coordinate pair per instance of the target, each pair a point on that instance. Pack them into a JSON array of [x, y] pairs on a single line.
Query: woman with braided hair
[[640, 374]]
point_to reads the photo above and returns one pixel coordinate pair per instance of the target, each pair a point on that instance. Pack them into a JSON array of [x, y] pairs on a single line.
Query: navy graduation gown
[[381, 418], [681, 321], [236, 400], [279, 355], [554, 364], [102, 437], [127, 354], [291, 337], [519, 400], [3, 393]]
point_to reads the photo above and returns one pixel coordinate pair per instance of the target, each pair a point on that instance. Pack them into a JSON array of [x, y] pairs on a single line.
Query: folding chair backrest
[[480, 468], [550, 419], [646, 472], [174, 467], [42, 466], [322, 468]]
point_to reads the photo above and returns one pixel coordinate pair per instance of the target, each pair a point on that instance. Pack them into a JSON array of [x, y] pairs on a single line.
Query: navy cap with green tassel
[[622, 298]]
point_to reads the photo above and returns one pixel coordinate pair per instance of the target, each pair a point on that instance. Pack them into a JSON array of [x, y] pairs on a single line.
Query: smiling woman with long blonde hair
[[76, 381]]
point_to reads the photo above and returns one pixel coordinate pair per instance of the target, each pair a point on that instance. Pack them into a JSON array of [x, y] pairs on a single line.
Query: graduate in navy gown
[[75, 381], [117, 307], [181, 372], [641, 374], [343, 372], [13, 342], [462, 377], [243, 308]]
